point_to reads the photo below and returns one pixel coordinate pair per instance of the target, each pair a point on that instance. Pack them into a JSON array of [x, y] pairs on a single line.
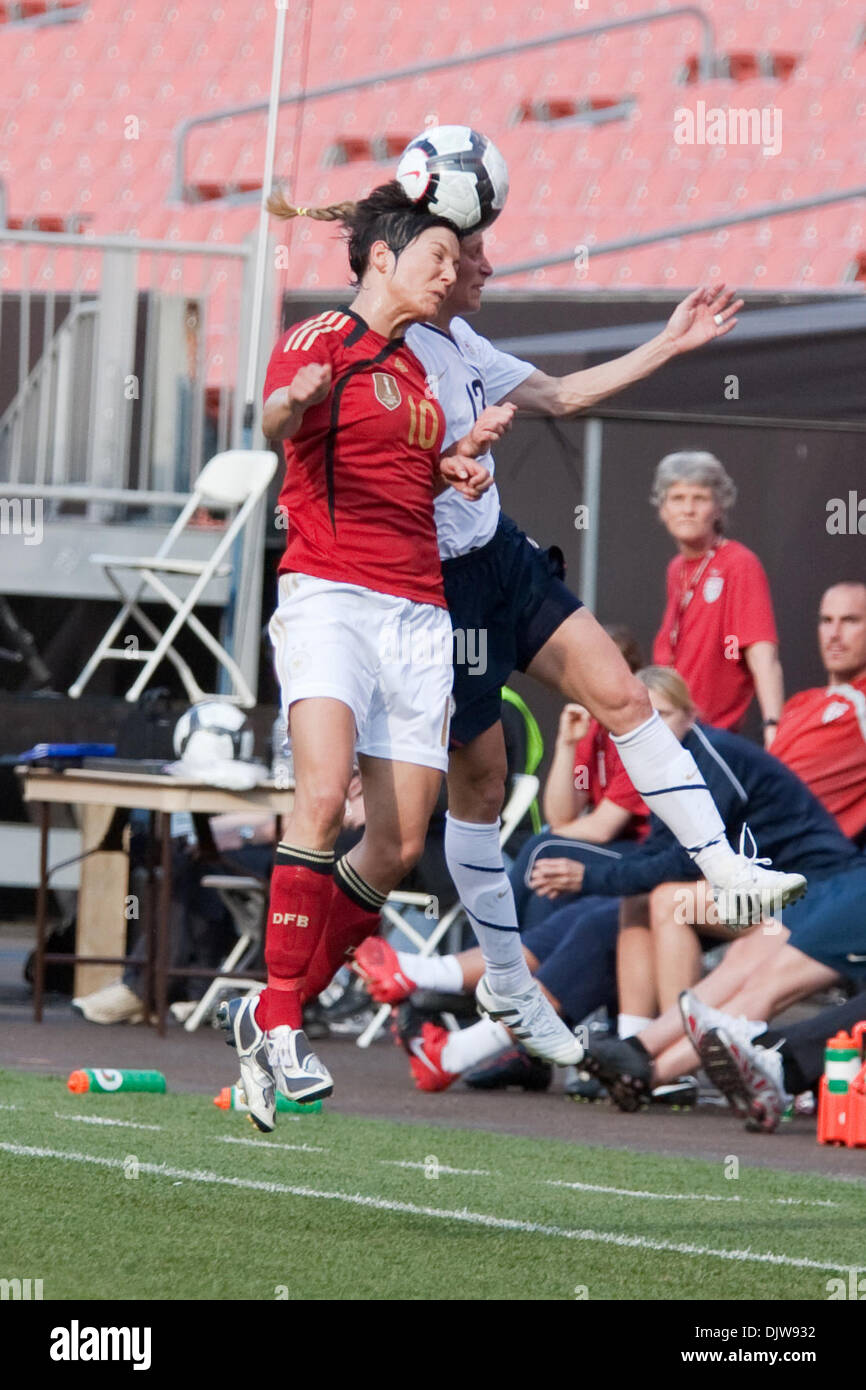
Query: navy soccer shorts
[[506, 600]]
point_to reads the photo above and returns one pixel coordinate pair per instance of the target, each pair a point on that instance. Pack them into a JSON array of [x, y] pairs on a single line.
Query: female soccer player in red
[[361, 633]]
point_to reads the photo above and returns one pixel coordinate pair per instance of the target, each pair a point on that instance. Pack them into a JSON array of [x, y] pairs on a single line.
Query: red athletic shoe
[[425, 1058], [377, 964]]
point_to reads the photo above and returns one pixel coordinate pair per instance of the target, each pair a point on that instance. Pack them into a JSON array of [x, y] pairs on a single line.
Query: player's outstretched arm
[[284, 408], [707, 313], [459, 466]]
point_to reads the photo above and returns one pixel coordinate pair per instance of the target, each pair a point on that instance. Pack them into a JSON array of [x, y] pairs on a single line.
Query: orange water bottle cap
[[224, 1099], [78, 1083]]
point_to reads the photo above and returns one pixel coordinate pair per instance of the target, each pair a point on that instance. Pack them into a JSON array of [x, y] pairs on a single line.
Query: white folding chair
[[232, 481], [246, 899], [524, 790]]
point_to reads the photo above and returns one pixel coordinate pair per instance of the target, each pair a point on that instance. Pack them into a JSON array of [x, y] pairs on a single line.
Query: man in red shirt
[[718, 628], [822, 732]]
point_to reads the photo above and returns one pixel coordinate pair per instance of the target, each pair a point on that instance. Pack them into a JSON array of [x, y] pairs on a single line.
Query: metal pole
[[262, 238], [592, 447]]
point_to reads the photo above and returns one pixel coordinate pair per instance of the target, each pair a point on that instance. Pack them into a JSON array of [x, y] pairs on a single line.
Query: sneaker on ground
[[531, 1017], [624, 1066], [747, 889], [749, 1076], [699, 1017], [514, 1067], [679, 1094], [425, 1058], [298, 1072], [378, 966], [238, 1018], [115, 1003]]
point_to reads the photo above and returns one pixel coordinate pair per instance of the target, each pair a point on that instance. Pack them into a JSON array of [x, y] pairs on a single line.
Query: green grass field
[[165, 1197]]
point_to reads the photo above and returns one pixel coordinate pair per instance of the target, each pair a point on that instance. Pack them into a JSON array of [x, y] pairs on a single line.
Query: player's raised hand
[[490, 426], [708, 312], [310, 385], [466, 475]]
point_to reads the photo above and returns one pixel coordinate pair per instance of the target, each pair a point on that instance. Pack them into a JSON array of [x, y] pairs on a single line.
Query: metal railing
[[117, 372], [710, 224], [706, 66]]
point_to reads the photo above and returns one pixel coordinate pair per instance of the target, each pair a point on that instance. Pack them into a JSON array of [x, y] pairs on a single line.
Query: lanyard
[[688, 594]]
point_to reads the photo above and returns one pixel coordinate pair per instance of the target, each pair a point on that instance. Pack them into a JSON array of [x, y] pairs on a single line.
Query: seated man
[[746, 783]]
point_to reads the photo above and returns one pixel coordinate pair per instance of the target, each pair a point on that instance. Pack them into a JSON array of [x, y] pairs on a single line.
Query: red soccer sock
[[301, 886], [354, 916]]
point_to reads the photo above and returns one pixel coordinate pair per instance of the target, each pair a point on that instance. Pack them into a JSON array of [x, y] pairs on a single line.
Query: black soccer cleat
[[513, 1067], [624, 1067]]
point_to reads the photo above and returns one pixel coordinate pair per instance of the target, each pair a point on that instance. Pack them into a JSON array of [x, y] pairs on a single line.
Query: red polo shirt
[[730, 608], [822, 737]]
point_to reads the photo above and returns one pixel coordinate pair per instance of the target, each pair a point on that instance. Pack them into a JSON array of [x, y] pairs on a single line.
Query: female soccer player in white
[[364, 457], [498, 581]]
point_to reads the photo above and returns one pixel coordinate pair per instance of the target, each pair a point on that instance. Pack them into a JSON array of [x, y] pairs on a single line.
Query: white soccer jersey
[[466, 373]]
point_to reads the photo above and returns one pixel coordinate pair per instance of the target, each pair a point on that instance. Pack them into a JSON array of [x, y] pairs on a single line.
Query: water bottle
[[282, 764], [233, 1098], [109, 1079]]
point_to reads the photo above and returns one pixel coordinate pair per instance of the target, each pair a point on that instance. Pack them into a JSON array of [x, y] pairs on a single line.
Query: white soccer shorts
[[387, 658]]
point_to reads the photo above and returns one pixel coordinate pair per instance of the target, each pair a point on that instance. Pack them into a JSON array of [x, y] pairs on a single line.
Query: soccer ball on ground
[[457, 173], [212, 731]]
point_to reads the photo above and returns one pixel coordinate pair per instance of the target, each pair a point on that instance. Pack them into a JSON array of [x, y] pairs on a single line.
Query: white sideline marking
[[267, 1144], [686, 1196], [440, 1167], [101, 1120], [8, 1107], [472, 1218]]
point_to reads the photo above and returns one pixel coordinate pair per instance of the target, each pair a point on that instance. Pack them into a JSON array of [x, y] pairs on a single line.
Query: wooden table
[[102, 922]]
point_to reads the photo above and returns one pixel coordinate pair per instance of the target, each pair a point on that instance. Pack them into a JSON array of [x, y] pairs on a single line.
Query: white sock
[[433, 972], [667, 777], [469, 1046], [627, 1025], [475, 863]]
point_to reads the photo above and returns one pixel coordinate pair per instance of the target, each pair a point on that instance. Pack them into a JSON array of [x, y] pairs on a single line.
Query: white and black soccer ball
[[213, 731], [457, 173]]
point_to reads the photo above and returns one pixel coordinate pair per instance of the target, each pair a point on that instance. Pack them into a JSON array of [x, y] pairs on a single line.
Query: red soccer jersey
[[599, 767], [705, 636], [822, 737], [357, 500]]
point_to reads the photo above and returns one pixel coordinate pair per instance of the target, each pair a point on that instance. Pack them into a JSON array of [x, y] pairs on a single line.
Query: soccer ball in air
[[457, 173], [212, 731]]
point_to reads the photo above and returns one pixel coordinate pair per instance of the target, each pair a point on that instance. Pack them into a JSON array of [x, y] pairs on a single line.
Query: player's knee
[[321, 809], [627, 707], [478, 796]]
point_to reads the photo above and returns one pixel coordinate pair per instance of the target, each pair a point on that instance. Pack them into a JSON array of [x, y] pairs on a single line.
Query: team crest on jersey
[[713, 587], [387, 390], [834, 710]]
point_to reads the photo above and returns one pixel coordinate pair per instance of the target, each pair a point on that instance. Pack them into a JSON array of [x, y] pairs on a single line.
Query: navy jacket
[[751, 787]]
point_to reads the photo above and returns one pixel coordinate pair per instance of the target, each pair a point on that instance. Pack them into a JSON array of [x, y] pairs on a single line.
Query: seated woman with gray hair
[[718, 628]]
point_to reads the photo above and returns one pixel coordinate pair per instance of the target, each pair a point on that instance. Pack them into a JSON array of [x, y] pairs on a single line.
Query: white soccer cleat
[[238, 1018], [698, 1018], [746, 890], [116, 1003], [750, 1077], [532, 1018], [298, 1072]]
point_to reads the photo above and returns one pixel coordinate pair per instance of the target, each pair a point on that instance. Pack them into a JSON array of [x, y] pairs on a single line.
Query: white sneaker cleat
[[115, 1003], [750, 1077], [238, 1018], [298, 1072], [532, 1018], [747, 890], [698, 1018]]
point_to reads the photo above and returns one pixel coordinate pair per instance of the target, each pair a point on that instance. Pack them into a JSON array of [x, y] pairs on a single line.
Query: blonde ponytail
[[336, 212]]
